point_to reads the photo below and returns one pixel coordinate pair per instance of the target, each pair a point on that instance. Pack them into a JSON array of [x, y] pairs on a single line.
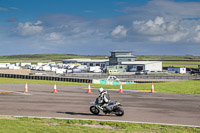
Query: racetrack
[[73, 102]]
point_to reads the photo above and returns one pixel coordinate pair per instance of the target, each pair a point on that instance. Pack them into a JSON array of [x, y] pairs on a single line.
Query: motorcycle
[[112, 108]]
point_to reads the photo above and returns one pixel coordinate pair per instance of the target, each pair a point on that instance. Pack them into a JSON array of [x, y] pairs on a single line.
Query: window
[[91, 64]]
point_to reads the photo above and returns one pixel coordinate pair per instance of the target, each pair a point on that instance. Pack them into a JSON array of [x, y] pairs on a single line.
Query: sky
[[97, 27]]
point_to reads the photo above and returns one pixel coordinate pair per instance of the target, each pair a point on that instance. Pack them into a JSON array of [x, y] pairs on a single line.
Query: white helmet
[[100, 90]]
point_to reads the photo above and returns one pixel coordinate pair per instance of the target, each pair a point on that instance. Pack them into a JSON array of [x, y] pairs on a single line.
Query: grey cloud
[[119, 32], [167, 9], [29, 28], [161, 30]]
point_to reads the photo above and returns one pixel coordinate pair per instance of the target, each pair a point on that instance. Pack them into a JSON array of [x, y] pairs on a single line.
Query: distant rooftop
[[87, 60], [140, 62], [122, 51], [125, 56]]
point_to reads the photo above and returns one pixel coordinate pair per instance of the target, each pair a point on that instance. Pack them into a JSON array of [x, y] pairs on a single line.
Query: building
[[120, 56], [119, 61], [88, 62], [143, 65], [177, 69]]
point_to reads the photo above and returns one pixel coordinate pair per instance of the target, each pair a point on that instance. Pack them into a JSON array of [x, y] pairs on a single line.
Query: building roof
[[122, 51], [125, 56], [139, 62], [86, 60]]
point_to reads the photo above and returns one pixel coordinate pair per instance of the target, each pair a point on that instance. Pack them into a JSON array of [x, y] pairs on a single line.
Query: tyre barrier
[[51, 78]]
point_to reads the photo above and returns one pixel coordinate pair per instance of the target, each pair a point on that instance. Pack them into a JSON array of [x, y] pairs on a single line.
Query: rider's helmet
[[100, 90]]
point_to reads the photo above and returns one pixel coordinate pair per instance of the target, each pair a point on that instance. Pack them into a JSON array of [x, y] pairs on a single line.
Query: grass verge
[[44, 125], [185, 87]]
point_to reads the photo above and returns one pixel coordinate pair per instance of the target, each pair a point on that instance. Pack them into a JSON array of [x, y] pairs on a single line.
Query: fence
[[84, 78], [51, 78], [135, 76]]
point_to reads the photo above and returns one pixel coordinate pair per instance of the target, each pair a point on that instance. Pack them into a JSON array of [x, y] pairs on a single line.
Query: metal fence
[[135, 76], [87, 78]]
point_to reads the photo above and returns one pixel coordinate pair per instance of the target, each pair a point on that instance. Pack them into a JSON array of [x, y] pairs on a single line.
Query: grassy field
[[163, 58], [39, 125], [185, 87], [52, 57], [187, 64]]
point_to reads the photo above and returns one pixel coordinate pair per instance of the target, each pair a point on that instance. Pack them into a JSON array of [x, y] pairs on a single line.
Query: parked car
[[140, 72], [112, 78]]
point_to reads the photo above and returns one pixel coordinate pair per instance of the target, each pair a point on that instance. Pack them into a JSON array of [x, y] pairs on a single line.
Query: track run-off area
[[72, 102]]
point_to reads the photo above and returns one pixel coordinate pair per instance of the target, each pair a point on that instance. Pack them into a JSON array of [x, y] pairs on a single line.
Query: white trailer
[[24, 64], [53, 69], [60, 71], [45, 68], [82, 68], [4, 65], [14, 67], [41, 64], [94, 69]]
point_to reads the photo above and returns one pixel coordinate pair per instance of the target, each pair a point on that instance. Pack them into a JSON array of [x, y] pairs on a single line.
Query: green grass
[[185, 87], [52, 57], [39, 125], [187, 64], [168, 58]]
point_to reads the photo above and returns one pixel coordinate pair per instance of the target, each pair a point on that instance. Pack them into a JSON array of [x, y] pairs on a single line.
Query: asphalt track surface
[[73, 102]]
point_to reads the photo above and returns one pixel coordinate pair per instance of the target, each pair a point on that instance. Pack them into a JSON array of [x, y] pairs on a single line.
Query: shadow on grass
[[74, 113]]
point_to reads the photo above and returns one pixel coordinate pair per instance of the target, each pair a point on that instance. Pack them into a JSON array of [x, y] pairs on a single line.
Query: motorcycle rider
[[103, 98]]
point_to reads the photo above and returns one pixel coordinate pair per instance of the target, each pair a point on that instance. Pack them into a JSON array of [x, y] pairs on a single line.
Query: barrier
[[107, 82], [51, 78]]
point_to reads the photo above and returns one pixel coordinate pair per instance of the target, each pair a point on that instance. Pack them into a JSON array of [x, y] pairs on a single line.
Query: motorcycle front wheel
[[119, 111], [94, 110]]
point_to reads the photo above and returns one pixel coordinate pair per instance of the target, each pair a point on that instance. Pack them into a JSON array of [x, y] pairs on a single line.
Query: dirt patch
[[8, 117], [98, 126]]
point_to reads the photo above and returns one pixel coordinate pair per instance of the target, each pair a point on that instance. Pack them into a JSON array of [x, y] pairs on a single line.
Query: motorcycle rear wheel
[[94, 110]]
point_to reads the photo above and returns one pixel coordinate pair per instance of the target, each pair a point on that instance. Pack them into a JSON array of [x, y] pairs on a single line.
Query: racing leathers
[[104, 99]]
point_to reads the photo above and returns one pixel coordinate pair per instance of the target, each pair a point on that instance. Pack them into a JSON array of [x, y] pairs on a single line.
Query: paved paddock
[[73, 102]]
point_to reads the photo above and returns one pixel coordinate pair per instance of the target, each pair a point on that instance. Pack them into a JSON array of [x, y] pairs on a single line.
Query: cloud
[[9, 8], [165, 8], [119, 32], [158, 24], [54, 36], [28, 28], [196, 38], [169, 37], [160, 30]]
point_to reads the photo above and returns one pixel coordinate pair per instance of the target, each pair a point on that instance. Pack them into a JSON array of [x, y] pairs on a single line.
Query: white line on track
[[14, 92], [181, 125]]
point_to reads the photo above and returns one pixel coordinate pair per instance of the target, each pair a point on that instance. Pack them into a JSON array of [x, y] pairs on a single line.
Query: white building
[[177, 69], [144, 65]]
